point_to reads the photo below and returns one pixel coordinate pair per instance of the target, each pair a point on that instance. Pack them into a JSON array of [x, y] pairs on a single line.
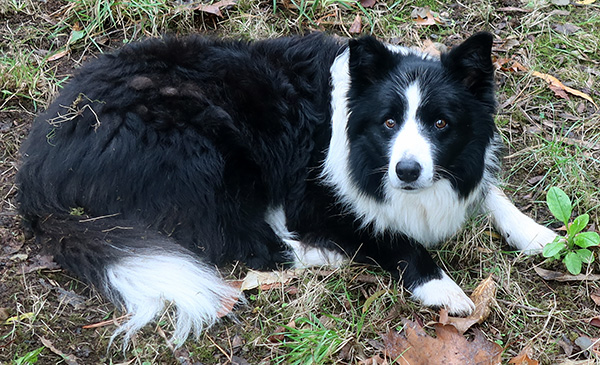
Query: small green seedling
[[574, 247]]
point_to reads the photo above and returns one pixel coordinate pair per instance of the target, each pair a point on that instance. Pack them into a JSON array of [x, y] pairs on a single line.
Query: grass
[[322, 316]]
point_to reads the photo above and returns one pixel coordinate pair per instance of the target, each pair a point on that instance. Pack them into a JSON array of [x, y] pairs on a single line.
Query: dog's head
[[414, 119]]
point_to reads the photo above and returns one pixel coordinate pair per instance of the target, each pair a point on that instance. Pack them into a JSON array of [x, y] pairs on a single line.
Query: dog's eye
[[390, 123], [441, 124]]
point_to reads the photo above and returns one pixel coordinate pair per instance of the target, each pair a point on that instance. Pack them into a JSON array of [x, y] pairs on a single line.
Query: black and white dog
[[172, 156]]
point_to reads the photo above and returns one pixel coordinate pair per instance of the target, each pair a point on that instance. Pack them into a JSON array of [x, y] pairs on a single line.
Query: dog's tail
[[141, 270]]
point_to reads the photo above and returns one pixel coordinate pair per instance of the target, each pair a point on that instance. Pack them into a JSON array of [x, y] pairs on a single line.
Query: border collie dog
[[170, 157]]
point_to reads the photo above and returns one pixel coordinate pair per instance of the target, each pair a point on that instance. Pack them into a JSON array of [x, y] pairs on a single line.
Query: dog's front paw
[[445, 293], [530, 237]]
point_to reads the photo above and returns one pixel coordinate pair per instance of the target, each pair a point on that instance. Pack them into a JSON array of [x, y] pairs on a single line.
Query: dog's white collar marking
[[429, 216]]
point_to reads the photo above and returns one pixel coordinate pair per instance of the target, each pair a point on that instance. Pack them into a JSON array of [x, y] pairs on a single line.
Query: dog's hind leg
[[301, 255], [518, 230]]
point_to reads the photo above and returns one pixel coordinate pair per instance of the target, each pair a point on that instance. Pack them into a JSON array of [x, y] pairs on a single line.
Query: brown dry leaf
[[416, 347], [566, 345], [40, 262], [595, 321], [560, 89], [4, 314], [523, 358], [227, 305], [266, 279], [509, 64], [368, 3], [68, 359], [59, 54], [595, 296], [279, 334], [483, 296], [215, 8], [424, 17], [356, 26], [433, 48], [559, 276]]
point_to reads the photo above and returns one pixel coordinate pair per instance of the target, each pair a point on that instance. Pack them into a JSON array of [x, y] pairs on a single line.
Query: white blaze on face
[[410, 144]]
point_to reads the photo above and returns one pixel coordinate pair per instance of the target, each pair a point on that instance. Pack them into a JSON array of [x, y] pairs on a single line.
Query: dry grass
[[550, 141]]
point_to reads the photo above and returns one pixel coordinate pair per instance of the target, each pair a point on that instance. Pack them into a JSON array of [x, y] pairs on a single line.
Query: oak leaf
[[523, 358], [415, 347], [483, 296]]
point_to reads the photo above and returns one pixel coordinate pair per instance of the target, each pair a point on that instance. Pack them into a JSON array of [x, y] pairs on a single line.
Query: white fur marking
[[429, 215], [445, 293], [518, 230], [302, 255], [411, 144], [146, 283]]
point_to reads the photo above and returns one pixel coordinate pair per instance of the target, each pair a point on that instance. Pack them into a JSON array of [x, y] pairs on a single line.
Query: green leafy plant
[[573, 248]]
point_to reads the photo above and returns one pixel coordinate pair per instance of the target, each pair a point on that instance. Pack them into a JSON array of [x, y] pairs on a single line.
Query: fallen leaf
[[595, 296], [566, 29], [523, 358], [279, 334], [227, 305], [433, 48], [19, 318], [4, 314], [560, 89], [424, 17], [368, 3], [595, 321], [483, 296], [509, 44], [69, 297], [508, 64], [416, 347], [68, 359], [536, 179], [560, 2], [372, 298], [60, 54], [356, 26], [559, 276], [215, 8], [566, 345], [40, 262], [266, 279], [585, 2]]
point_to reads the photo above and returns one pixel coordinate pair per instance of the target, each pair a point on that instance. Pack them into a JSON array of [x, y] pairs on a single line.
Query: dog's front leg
[[518, 230], [428, 283]]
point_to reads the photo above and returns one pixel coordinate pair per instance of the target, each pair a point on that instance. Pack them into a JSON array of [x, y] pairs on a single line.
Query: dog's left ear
[[471, 63]]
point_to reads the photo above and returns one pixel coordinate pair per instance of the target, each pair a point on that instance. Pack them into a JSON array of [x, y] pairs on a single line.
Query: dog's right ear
[[370, 61]]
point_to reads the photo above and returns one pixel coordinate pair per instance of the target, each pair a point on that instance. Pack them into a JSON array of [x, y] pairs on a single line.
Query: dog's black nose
[[408, 170]]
